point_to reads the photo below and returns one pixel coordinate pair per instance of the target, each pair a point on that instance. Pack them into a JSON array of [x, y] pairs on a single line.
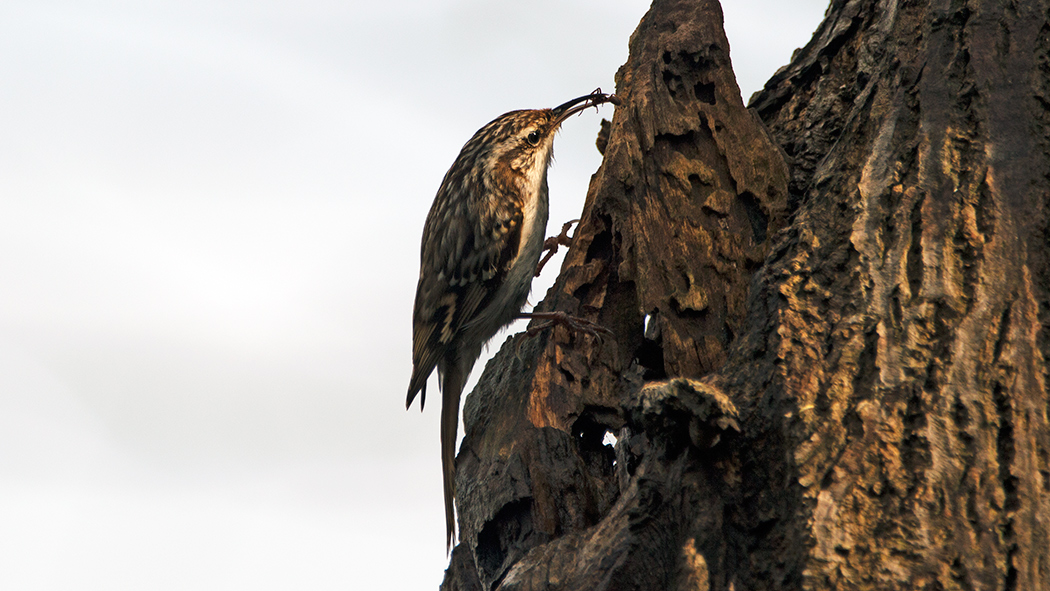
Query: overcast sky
[[210, 214]]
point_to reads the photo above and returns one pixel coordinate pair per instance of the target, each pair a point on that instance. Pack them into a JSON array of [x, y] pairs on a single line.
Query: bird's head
[[519, 144]]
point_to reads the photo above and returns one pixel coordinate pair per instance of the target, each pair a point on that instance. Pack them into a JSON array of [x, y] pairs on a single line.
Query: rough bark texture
[[828, 378]]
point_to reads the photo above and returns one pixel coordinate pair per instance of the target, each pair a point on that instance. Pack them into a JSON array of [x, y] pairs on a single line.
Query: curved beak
[[564, 110]]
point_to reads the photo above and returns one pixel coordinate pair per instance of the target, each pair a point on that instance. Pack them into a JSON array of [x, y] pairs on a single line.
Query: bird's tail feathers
[[453, 379], [418, 384]]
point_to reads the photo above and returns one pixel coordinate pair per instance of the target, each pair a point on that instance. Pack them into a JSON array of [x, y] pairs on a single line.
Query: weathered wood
[[907, 308], [842, 382]]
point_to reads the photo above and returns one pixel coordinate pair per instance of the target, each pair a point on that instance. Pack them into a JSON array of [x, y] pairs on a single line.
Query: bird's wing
[[469, 242]]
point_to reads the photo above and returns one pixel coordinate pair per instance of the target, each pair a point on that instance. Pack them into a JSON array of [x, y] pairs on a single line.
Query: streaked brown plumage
[[481, 243]]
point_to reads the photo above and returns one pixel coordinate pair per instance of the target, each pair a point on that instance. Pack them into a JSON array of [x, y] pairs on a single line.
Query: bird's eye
[[533, 137]]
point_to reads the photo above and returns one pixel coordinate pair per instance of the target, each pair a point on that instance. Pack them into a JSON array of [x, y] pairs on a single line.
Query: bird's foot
[[551, 244], [570, 322]]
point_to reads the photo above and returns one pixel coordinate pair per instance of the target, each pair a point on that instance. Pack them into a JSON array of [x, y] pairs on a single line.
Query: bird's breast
[[533, 227], [510, 296]]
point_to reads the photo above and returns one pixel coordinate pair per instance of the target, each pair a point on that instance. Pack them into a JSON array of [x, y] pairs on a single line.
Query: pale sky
[[210, 215]]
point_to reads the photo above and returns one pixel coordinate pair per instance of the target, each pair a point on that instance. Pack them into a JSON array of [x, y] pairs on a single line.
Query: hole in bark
[[569, 378], [609, 441], [758, 218], [650, 356], [511, 524], [705, 92], [601, 245], [862, 82], [809, 75], [828, 480], [673, 82], [1005, 448], [914, 265], [650, 353], [591, 438]]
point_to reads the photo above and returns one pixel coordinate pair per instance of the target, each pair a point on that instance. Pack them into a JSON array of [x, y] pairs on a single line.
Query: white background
[[209, 232]]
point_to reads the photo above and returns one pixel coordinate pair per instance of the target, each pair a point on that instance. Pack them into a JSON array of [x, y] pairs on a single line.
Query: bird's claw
[[550, 245], [572, 323]]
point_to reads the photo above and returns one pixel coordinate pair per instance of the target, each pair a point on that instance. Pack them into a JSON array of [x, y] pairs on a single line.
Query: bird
[[481, 243]]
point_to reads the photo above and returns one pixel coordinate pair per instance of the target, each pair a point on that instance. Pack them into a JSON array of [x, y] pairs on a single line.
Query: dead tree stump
[[830, 350]]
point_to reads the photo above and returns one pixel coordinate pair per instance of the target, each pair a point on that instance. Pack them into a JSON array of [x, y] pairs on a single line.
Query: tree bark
[[828, 375]]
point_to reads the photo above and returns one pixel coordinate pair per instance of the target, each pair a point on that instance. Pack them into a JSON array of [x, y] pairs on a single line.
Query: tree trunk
[[831, 376]]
